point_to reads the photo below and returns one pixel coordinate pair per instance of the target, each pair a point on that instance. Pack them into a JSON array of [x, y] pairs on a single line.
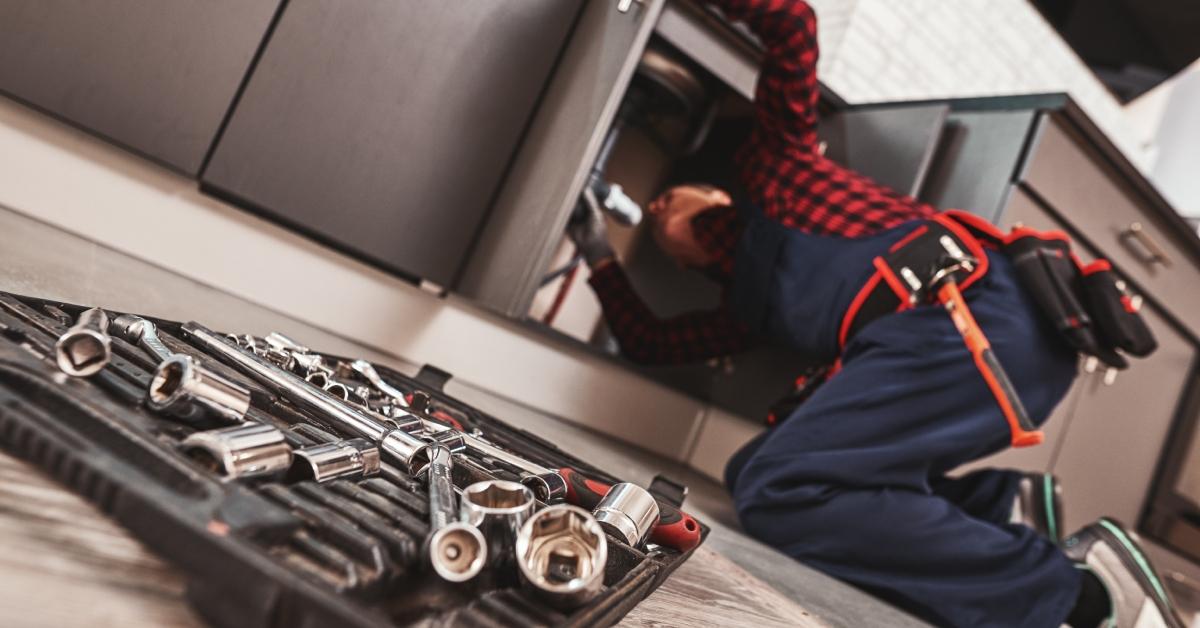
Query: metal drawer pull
[[625, 5], [1150, 252]]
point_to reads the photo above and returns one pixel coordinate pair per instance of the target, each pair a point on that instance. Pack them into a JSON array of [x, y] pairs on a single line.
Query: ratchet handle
[[675, 528], [583, 491]]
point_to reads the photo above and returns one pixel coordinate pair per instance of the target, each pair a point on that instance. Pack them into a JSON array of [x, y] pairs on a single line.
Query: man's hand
[[590, 235]]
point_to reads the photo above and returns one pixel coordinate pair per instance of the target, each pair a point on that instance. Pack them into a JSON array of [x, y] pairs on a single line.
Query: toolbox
[[280, 550]]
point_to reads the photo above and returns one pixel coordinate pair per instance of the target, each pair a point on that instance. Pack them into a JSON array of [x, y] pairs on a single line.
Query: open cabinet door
[[515, 246]]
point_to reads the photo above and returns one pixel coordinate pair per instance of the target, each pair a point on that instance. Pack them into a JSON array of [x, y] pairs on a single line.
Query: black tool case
[[268, 552]]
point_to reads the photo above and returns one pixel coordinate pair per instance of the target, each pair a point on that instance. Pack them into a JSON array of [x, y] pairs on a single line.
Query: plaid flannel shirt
[[782, 168]]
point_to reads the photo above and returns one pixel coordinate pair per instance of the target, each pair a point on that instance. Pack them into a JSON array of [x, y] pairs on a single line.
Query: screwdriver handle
[[675, 528]]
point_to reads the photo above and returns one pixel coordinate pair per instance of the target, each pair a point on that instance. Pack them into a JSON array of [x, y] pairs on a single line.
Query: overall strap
[[759, 247]]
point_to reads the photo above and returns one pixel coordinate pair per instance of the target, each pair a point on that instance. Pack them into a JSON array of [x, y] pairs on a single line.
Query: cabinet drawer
[[1090, 195]]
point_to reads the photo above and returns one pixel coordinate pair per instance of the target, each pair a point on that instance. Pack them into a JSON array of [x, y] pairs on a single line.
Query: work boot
[[1038, 504], [1137, 595]]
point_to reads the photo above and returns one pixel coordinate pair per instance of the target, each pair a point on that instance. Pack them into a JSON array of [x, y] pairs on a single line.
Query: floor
[[60, 558]]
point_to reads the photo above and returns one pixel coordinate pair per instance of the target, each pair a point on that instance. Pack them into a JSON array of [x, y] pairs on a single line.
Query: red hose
[[563, 289]]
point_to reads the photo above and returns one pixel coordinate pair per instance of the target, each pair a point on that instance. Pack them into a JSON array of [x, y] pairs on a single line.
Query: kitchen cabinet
[[1173, 513], [1105, 441], [975, 164], [1108, 457], [383, 128], [1107, 210], [155, 77], [1107, 438]]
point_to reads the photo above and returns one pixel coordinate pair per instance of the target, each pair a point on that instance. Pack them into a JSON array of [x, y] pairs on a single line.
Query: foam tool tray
[[273, 552]]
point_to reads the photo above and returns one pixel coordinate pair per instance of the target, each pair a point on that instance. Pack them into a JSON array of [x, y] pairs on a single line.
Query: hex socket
[[457, 551], [241, 451], [561, 553], [498, 508], [183, 388], [628, 512], [356, 457], [85, 348]]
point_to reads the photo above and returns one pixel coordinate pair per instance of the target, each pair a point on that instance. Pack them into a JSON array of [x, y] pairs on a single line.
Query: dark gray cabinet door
[[383, 127], [157, 77]]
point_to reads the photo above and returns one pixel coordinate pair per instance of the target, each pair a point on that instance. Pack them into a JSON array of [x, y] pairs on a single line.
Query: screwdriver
[[675, 529]]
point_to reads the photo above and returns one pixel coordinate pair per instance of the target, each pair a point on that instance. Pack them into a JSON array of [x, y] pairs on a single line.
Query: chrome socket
[[627, 512], [561, 553], [183, 388], [356, 457], [241, 451], [547, 486], [411, 451], [457, 551], [498, 508], [85, 348]]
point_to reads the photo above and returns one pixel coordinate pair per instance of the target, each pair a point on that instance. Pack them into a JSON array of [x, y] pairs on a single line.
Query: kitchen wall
[[884, 50], [1178, 144]]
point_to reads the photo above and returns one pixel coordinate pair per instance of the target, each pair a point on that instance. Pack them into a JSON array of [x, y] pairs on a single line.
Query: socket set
[[297, 488]]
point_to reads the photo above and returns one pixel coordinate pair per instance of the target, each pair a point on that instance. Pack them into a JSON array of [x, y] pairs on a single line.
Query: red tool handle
[[1024, 432], [675, 529]]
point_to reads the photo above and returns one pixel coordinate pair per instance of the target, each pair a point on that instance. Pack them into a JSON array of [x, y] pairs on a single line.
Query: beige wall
[[884, 50]]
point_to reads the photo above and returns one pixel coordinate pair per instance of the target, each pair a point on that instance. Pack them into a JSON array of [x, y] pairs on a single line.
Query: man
[[854, 481]]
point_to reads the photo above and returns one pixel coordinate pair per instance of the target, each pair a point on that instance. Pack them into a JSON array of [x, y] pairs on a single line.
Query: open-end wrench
[[181, 386], [367, 370], [141, 332]]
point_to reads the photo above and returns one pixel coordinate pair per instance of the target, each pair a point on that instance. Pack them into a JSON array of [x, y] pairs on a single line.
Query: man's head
[[671, 217]]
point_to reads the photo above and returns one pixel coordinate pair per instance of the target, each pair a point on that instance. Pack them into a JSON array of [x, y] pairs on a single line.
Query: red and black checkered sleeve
[[647, 339], [781, 164], [786, 96]]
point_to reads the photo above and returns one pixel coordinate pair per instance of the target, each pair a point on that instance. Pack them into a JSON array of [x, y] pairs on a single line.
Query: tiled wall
[[886, 50]]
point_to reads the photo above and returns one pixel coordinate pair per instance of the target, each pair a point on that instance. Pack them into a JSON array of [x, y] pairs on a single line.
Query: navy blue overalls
[[853, 482]]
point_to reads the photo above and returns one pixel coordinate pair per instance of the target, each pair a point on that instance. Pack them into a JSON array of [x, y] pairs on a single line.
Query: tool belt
[[1088, 304]]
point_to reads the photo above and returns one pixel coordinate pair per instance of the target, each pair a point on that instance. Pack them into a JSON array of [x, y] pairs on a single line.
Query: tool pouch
[[1086, 305], [1115, 312]]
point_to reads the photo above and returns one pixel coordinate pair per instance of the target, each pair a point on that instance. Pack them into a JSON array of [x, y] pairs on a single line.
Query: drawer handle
[[1147, 250], [623, 6]]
